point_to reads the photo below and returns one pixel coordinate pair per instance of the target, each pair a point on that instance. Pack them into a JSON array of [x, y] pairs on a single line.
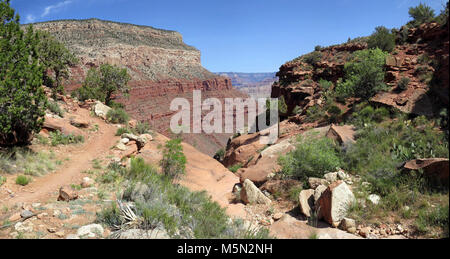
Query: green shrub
[[403, 83], [118, 116], [2, 180], [25, 161], [312, 58], [364, 76], [57, 138], [315, 113], [23, 180], [22, 98], [383, 39], [421, 14], [103, 83], [437, 217], [123, 130], [318, 48], [325, 85], [235, 168], [312, 158], [54, 108], [173, 163], [220, 155], [142, 128]]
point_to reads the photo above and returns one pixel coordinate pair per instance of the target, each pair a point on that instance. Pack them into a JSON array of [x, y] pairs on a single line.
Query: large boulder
[[64, 126], [306, 202], [101, 110], [436, 169], [250, 194], [66, 193], [335, 202], [140, 140], [342, 134]]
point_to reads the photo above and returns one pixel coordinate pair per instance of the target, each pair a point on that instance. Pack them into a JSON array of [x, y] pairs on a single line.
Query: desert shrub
[[318, 48], [23, 180], [312, 58], [366, 114], [159, 204], [220, 155], [383, 39], [421, 14], [315, 113], [57, 138], [142, 128], [118, 116], [2, 180], [334, 112], [403, 83], [123, 130], [423, 59], [364, 75], [173, 163], [325, 85], [26, 161], [312, 158], [235, 168], [442, 18], [436, 217], [54, 108], [22, 98], [282, 106]]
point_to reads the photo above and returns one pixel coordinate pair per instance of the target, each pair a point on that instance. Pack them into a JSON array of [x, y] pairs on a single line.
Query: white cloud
[[30, 18], [55, 7]]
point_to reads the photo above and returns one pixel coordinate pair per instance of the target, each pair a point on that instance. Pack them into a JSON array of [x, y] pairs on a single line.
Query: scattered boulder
[[250, 194], [316, 182], [306, 202], [331, 177], [15, 217], [90, 231], [436, 169], [66, 193], [348, 225], [335, 202], [87, 182], [277, 216], [24, 227], [144, 234], [79, 122], [101, 110], [342, 134], [318, 192], [26, 214], [140, 140], [375, 199], [53, 124], [124, 141]]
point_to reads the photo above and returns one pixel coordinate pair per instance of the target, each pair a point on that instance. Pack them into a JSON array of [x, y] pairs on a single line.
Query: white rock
[[26, 226], [342, 175], [335, 202], [90, 231], [331, 177], [375, 199], [306, 202], [101, 110], [121, 147], [124, 141], [144, 234], [250, 194]]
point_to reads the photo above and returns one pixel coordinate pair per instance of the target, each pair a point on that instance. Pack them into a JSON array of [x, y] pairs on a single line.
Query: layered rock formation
[[256, 85], [423, 59], [161, 65]]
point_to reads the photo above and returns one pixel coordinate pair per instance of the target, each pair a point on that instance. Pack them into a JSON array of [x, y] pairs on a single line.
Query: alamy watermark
[[258, 118]]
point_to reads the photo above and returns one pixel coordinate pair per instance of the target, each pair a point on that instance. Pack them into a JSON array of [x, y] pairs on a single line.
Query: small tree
[[22, 98], [103, 83], [173, 162], [421, 14], [383, 39], [364, 76], [56, 59]]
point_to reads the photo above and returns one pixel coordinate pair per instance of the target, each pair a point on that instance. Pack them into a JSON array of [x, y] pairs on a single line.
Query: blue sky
[[239, 35]]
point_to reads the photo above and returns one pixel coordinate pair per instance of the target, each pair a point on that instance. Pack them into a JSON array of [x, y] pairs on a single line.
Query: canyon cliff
[[162, 67], [256, 85]]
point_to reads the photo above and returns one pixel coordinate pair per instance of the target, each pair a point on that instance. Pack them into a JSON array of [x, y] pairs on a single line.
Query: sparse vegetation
[[23, 180], [25, 161], [118, 116], [54, 108], [403, 83], [173, 163], [421, 14], [57, 138], [312, 158], [235, 168], [161, 205]]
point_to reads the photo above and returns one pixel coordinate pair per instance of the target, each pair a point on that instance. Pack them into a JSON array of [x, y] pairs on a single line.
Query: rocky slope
[[256, 85], [161, 65], [299, 80]]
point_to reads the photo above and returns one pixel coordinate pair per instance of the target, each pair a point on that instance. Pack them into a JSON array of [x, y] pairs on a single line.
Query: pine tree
[[22, 98]]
